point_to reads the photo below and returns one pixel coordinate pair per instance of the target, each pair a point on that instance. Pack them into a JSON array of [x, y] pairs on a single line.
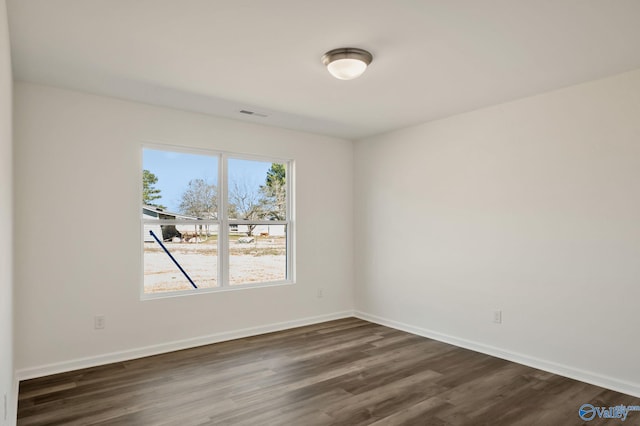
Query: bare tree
[[245, 203], [200, 200]]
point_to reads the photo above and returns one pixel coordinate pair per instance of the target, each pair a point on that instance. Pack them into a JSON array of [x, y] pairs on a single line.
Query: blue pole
[[172, 258]]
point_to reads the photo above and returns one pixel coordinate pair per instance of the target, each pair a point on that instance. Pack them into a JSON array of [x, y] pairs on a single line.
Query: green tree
[[274, 192], [149, 192]]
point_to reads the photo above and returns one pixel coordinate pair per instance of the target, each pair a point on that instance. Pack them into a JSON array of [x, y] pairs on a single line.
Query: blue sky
[[174, 170]]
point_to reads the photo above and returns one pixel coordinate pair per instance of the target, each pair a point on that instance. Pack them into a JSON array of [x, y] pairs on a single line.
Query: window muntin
[[221, 221]]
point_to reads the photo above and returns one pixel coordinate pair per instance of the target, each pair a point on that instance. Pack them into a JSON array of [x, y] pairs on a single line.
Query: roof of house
[[158, 210]]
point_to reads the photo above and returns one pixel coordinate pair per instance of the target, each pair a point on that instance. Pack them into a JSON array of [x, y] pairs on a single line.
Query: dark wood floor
[[345, 372]]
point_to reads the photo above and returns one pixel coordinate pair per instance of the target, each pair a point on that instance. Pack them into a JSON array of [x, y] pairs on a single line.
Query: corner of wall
[[8, 390]]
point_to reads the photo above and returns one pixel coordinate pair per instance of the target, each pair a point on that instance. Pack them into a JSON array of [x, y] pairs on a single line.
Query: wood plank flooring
[[345, 372]]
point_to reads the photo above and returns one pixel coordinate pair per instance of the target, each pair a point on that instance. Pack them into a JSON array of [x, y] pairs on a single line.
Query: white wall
[[77, 152], [531, 207], [6, 224]]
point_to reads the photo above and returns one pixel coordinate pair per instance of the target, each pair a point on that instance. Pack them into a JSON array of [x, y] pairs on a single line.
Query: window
[[214, 221]]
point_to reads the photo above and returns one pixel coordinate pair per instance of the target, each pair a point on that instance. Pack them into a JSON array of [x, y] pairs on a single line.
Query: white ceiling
[[432, 58]]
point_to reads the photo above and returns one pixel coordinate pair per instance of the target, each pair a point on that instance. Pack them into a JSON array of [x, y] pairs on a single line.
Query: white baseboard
[[552, 367], [93, 361]]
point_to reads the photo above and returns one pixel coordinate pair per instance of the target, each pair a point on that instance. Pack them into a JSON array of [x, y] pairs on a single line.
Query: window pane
[[194, 248], [257, 253], [257, 190], [178, 185]]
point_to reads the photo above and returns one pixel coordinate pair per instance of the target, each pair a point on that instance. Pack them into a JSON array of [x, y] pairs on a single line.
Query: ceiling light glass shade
[[347, 69], [347, 63]]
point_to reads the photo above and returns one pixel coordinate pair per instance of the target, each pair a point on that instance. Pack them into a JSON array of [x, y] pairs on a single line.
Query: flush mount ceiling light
[[347, 63]]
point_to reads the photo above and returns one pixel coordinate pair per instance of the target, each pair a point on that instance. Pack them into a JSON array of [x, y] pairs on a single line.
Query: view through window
[[214, 220]]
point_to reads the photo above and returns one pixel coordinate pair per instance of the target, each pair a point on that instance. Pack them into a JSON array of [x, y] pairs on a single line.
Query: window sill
[[194, 292]]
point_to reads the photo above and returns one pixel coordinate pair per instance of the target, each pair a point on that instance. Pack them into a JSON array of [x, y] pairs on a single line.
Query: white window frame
[[223, 222]]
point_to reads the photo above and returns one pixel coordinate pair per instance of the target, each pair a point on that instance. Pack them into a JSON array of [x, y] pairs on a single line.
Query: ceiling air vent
[[257, 114]]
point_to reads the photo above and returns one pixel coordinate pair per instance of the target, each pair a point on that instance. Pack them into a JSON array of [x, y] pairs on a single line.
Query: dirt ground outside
[[262, 260]]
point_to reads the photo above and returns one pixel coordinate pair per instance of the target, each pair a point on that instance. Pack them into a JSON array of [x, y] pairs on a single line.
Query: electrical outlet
[[99, 322], [497, 317], [320, 293]]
